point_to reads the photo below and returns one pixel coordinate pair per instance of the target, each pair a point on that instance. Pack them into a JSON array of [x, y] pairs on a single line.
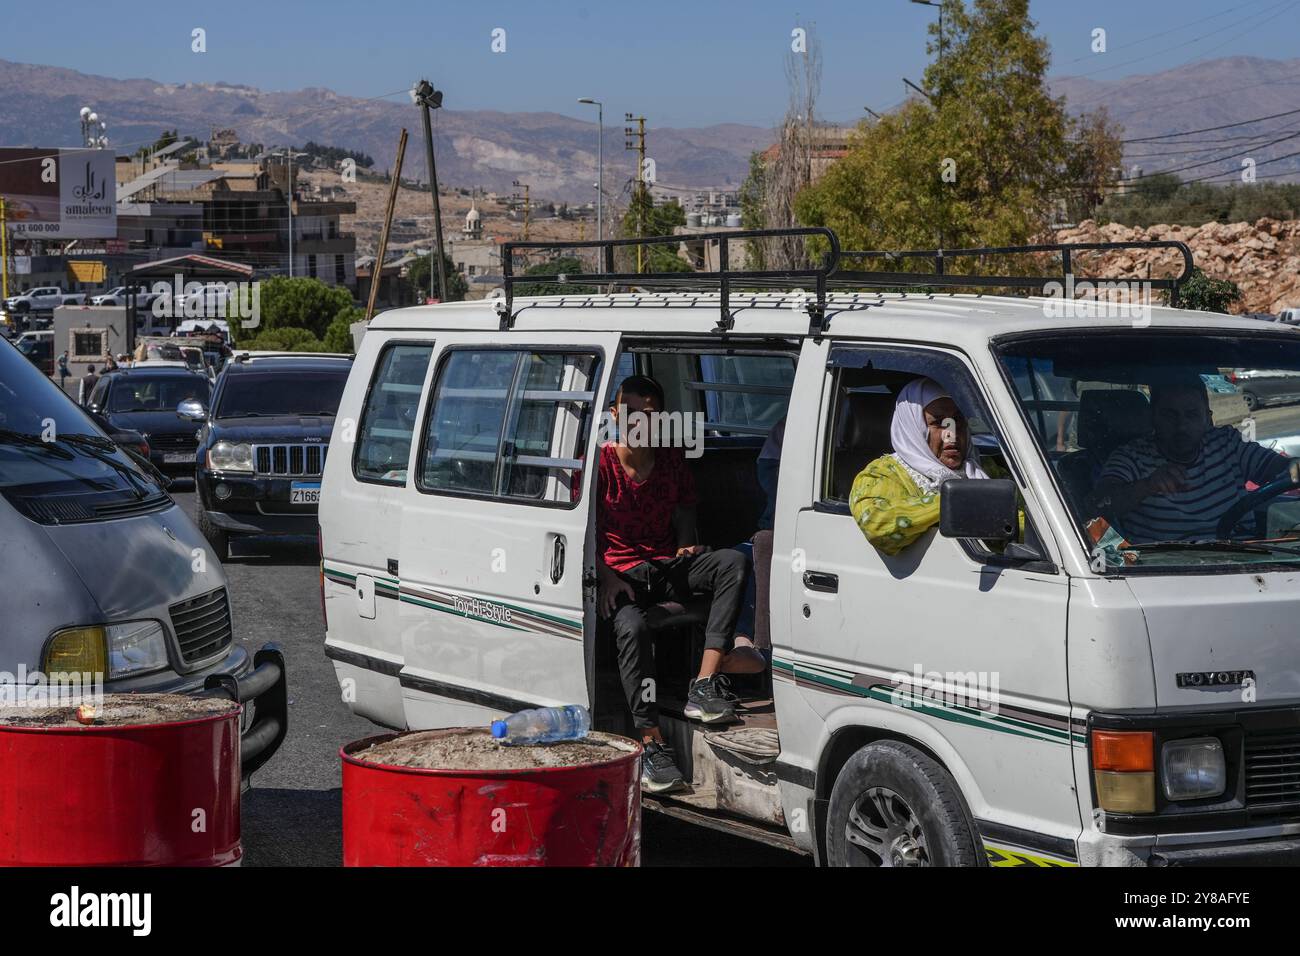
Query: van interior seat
[[1108, 418], [731, 501], [861, 436]]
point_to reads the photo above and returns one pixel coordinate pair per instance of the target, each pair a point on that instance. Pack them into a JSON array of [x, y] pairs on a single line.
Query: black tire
[[894, 806], [218, 539], [1252, 400]]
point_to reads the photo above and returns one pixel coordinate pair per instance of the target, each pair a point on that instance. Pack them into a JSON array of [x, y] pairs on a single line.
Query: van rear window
[[388, 420], [510, 424]]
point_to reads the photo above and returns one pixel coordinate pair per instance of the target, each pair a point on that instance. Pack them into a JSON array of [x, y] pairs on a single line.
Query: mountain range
[[556, 154]]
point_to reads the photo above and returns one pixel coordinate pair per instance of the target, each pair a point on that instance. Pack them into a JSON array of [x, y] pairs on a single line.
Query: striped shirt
[[1215, 481]]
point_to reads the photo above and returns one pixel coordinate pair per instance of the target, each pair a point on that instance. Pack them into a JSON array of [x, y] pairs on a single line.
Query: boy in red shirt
[[646, 538]]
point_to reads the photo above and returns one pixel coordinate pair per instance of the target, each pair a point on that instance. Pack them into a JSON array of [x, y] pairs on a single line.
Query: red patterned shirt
[[634, 520]]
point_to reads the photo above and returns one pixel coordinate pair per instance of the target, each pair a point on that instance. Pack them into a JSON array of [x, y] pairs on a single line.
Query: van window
[[867, 383], [509, 424], [388, 419], [744, 394]]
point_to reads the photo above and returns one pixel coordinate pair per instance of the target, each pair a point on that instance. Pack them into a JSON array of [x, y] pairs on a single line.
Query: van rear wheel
[[894, 806], [218, 539]]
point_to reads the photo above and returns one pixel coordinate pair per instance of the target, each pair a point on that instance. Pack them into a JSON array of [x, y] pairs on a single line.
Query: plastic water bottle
[[544, 725]]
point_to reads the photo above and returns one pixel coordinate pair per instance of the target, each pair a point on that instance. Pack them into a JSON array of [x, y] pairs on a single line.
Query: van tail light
[[1124, 770], [320, 552], [1232, 377]]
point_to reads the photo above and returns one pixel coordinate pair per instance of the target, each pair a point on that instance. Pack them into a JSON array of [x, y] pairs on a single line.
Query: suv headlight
[[1193, 769], [228, 456], [118, 650]]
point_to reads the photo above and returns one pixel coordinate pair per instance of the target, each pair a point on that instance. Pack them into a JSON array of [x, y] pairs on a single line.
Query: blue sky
[[680, 63]]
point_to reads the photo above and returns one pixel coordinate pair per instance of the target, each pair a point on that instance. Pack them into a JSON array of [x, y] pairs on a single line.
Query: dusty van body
[[956, 703], [108, 578]]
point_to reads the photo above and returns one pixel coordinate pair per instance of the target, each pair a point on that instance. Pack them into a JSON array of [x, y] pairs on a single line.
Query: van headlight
[[1193, 769], [229, 456], [118, 650]]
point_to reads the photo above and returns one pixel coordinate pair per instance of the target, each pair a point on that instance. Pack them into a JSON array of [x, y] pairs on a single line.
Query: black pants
[[719, 574]]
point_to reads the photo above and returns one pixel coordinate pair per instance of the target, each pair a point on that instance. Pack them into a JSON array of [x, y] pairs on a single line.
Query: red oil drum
[[163, 794], [588, 814]]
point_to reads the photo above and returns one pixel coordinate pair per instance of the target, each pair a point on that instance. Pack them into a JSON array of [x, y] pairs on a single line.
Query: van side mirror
[[979, 508], [192, 410]]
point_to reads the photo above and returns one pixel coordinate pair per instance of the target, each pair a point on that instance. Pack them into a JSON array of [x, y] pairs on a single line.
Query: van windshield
[[1173, 449], [55, 462]]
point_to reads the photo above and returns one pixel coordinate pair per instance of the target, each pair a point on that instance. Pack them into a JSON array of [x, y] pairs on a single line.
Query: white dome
[[472, 216]]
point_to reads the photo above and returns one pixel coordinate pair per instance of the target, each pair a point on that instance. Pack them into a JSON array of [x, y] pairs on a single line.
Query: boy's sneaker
[[707, 702], [659, 773]]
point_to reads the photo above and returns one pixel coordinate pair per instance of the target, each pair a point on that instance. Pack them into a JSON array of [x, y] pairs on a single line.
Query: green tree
[[298, 303], [644, 218], [1207, 294], [421, 276], [983, 161], [753, 208], [563, 265], [338, 337], [284, 339]]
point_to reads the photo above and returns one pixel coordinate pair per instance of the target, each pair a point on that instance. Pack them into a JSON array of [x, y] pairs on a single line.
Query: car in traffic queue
[[111, 586], [145, 399], [263, 443], [39, 349]]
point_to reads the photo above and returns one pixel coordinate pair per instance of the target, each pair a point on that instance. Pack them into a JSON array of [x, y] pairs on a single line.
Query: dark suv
[[263, 443], [145, 400]]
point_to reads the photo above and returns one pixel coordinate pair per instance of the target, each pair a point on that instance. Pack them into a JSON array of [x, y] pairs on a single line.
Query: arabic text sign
[[59, 193]]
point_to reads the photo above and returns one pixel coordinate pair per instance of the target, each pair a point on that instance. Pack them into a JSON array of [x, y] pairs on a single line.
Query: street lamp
[[939, 4], [94, 132], [288, 152], [600, 164], [429, 99]]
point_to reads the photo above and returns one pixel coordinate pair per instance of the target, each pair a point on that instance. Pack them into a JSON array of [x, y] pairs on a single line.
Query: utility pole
[[634, 140], [377, 271], [429, 99], [527, 204], [4, 252]]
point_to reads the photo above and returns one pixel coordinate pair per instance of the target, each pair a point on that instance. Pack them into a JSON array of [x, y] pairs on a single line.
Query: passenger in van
[[895, 499], [648, 553], [1176, 484]]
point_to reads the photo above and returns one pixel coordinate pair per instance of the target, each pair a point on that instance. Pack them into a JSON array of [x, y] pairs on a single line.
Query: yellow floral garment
[[892, 510], [889, 507]]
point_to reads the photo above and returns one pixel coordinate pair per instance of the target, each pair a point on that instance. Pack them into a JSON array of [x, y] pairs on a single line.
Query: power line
[[1212, 129], [1177, 29]]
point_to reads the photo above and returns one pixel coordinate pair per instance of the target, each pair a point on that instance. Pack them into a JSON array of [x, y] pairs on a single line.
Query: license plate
[[304, 493], [177, 457]]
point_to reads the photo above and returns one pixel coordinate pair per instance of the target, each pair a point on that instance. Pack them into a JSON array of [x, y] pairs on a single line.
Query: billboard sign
[[59, 193]]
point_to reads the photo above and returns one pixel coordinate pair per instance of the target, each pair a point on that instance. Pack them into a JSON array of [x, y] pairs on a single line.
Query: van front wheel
[[894, 806]]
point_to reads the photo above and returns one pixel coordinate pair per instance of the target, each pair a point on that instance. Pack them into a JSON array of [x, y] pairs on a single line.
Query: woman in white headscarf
[[895, 499]]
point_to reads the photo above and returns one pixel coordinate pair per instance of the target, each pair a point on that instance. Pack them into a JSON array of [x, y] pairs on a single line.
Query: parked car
[[40, 299], [1289, 316], [1261, 387], [980, 695], [264, 442], [104, 567], [118, 296], [39, 349], [145, 399]]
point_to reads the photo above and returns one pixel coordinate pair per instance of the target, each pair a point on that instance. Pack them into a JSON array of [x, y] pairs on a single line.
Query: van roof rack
[[826, 275]]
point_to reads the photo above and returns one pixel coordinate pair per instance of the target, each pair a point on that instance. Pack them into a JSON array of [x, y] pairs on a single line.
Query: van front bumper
[[1263, 846], [264, 686]]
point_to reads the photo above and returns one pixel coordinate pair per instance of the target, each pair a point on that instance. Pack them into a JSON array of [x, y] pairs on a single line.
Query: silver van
[[105, 575]]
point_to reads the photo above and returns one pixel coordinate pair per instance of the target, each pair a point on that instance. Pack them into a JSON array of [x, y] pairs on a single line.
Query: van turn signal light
[[1123, 763]]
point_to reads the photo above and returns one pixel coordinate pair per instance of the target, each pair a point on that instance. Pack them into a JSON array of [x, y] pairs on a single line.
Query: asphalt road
[[292, 814]]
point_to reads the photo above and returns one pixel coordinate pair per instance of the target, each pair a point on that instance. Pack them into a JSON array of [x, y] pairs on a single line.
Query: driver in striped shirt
[[1176, 484]]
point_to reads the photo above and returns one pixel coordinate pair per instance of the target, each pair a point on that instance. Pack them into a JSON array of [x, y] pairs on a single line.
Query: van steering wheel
[[1287, 481]]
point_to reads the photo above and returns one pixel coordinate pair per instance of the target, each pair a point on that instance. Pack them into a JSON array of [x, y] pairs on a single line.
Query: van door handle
[[821, 581], [557, 559]]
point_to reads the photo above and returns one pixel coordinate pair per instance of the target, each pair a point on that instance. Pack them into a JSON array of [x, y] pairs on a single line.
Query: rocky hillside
[[1263, 257]]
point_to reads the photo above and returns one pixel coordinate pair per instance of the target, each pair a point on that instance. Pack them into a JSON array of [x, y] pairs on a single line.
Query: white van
[[970, 700]]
